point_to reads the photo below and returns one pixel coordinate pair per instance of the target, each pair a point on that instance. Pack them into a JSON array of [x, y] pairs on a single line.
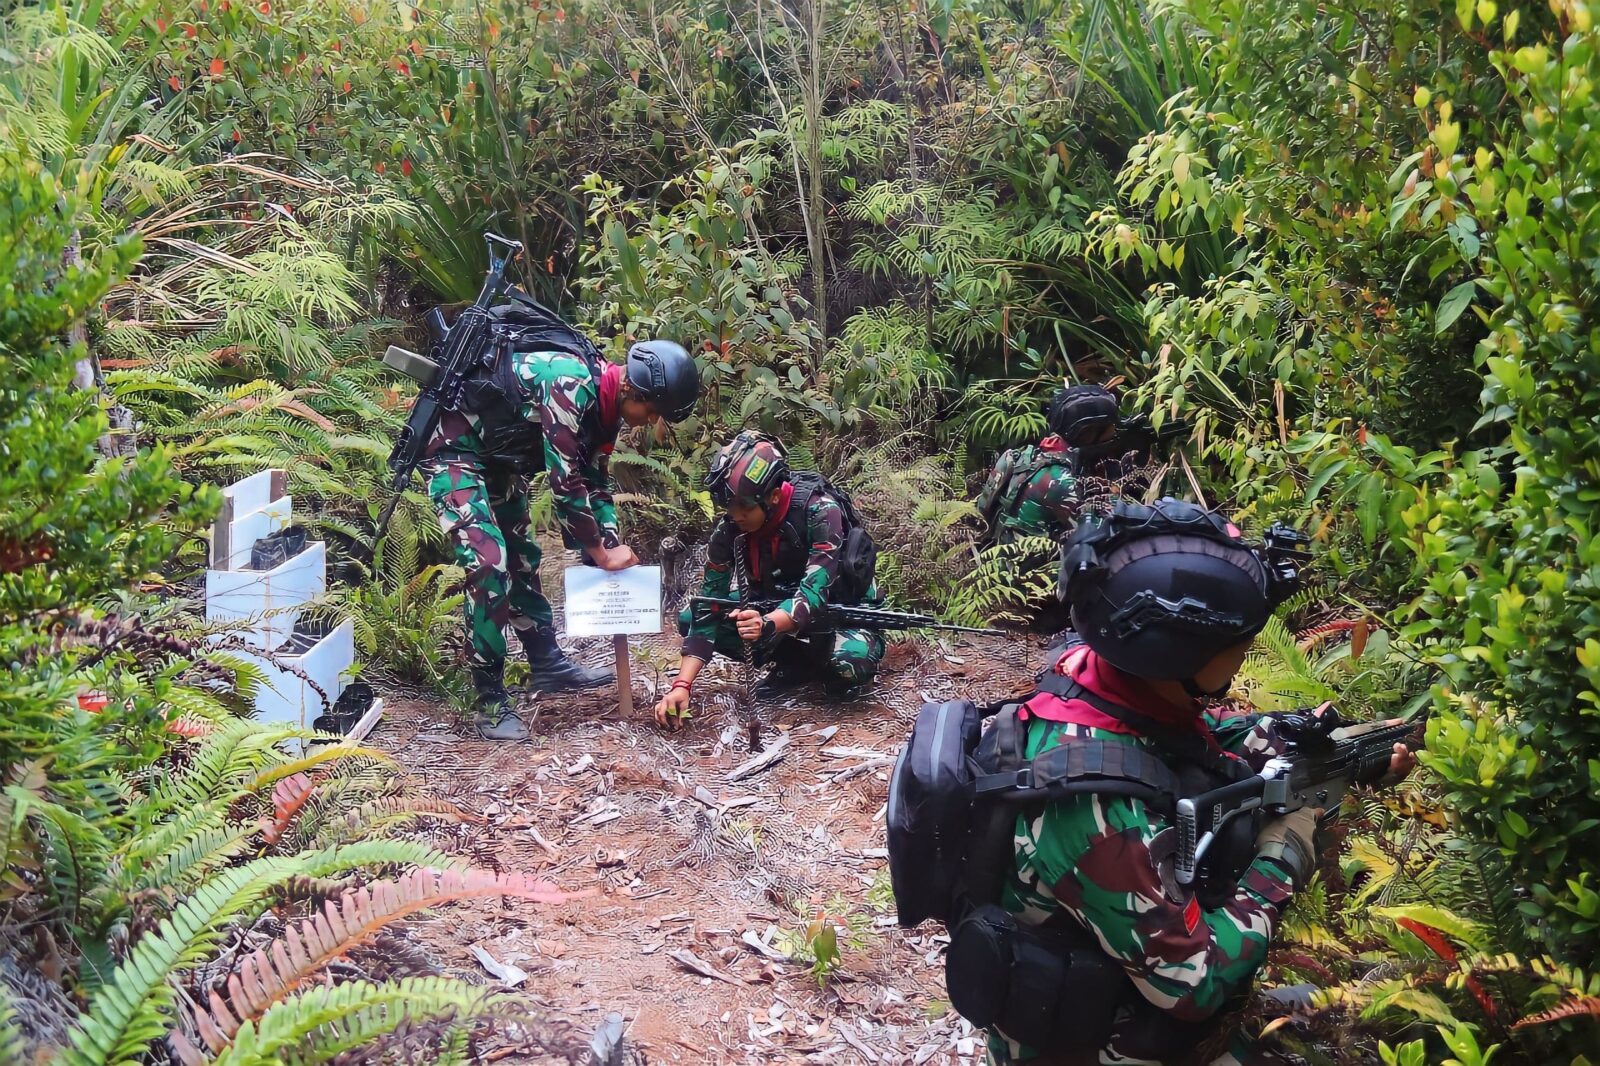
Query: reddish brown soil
[[674, 874]]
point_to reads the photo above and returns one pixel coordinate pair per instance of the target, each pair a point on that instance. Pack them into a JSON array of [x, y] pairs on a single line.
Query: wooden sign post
[[615, 603], [619, 643]]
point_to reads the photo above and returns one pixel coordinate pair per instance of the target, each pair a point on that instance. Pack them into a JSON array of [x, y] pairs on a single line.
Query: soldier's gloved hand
[[1287, 838], [618, 558]]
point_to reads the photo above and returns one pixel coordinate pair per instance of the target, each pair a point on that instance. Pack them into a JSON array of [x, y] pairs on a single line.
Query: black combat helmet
[[664, 373], [1079, 414], [1158, 591]]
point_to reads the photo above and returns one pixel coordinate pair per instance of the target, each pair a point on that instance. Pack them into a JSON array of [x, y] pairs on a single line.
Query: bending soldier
[[557, 411], [787, 536], [1168, 600]]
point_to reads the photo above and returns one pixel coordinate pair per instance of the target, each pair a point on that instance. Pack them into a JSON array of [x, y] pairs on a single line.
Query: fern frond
[[288, 796], [377, 816], [1571, 1008], [321, 1023], [265, 977], [13, 1045], [192, 860], [330, 753], [129, 1012]]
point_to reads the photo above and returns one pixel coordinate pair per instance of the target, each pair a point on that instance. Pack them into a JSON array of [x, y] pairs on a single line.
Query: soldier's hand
[[1401, 763], [748, 623], [619, 558], [673, 709]]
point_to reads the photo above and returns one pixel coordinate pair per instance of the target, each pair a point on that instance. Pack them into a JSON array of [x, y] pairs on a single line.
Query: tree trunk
[[818, 235], [86, 375]]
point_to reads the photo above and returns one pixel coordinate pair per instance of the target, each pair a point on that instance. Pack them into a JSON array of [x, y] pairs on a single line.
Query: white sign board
[[602, 603]]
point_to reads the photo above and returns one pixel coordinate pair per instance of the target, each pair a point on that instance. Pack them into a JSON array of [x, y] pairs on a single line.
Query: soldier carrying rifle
[[515, 390], [801, 543]]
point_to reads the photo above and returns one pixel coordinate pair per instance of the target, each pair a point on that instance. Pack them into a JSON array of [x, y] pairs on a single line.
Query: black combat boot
[[791, 668], [549, 669], [492, 715]]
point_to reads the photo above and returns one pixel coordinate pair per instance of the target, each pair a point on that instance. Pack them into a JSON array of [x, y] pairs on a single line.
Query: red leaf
[[1429, 936], [189, 30], [235, 136], [176, 85], [161, 25], [382, 166], [216, 67], [264, 7], [346, 86], [405, 167]]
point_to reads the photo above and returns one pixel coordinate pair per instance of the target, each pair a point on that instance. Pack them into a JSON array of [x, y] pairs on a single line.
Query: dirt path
[[690, 866]]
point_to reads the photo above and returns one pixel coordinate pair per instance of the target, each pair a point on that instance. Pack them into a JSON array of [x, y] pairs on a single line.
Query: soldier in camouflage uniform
[[562, 415], [801, 542], [1103, 863], [1033, 491]]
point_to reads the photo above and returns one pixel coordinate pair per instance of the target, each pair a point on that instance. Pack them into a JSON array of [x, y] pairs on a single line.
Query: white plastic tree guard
[[261, 607]]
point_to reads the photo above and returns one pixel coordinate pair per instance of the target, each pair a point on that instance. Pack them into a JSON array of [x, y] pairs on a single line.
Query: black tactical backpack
[[493, 393], [1001, 494], [858, 555]]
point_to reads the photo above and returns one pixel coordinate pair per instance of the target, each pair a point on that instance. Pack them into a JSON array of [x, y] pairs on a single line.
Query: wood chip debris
[[690, 961], [538, 838], [507, 974], [761, 946], [754, 765]]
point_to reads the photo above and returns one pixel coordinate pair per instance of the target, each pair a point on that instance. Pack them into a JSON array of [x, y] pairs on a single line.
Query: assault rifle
[[443, 373], [1326, 755], [838, 616], [1142, 436]]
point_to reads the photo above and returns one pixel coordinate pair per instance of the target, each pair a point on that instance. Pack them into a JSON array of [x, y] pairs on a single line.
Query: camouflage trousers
[[843, 658], [484, 508]]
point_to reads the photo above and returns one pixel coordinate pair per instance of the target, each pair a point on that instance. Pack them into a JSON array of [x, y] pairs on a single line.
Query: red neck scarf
[[1104, 680], [1053, 443], [610, 386], [768, 533]]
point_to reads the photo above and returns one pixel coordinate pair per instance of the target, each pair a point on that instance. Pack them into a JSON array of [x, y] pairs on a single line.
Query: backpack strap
[[1075, 767], [1175, 741], [1082, 766]]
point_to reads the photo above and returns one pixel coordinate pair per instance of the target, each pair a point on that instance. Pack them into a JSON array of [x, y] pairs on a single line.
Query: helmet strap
[[1192, 687]]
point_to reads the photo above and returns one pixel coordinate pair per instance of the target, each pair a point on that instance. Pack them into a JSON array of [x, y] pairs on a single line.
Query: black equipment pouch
[[858, 563], [494, 395], [1034, 984]]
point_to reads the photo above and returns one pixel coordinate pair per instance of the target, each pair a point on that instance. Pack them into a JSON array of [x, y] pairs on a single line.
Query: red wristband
[[681, 683]]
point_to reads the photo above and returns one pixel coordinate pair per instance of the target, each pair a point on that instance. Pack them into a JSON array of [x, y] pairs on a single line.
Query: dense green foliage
[[1350, 242]]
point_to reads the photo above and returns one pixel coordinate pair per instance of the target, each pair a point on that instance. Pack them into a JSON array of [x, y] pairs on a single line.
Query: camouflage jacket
[[1099, 860], [579, 420], [824, 533], [1031, 492]]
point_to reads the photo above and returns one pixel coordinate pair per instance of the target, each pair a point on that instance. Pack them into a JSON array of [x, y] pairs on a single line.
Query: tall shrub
[[75, 529]]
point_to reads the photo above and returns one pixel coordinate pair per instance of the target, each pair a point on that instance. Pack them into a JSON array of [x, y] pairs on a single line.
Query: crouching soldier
[[1167, 600], [795, 544], [550, 402]]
